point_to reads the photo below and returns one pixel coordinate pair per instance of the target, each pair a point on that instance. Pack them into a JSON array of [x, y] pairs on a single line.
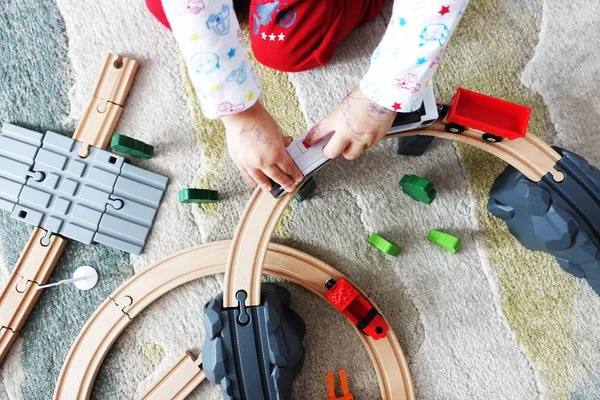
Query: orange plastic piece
[[331, 384]]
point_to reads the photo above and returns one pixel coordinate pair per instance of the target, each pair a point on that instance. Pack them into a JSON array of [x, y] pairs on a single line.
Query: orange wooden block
[[331, 384]]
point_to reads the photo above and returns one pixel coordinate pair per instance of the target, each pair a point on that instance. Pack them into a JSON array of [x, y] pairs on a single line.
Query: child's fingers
[[353, 151], [287, 140], [247, 177], [260, 178], [275, 173], [289, 167], [336, 146], [318, 132]]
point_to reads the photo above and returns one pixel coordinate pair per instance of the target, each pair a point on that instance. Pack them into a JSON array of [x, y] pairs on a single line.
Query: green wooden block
[[419, 188], [198, 196], [133, 147], [444, 240], [384, 245]]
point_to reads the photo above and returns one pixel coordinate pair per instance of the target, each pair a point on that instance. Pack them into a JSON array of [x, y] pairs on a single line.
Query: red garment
[[298, 35]]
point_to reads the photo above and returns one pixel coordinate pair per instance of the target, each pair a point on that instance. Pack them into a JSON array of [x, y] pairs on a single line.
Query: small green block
[[384, 245], [419, 188], [198, 196], [445, 241], [133, 147]]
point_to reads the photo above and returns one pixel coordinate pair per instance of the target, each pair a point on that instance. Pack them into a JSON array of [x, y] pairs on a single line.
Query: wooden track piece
[[179, 381], [103, 112], [528, 154], [103, 328], [249, 246], [244, 269], [20, 294], [37, 262]]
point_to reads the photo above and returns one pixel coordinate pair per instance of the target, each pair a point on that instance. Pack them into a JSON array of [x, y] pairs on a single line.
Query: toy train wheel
[[488, 137], [443, 110], [454, 128]]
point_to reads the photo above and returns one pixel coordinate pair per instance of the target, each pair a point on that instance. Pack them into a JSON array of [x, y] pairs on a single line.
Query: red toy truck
[[343, 296], [496, 119]]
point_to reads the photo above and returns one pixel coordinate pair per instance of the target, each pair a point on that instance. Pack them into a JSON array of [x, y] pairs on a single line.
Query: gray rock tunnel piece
[[97, 199], [562, 219], [259, 360]]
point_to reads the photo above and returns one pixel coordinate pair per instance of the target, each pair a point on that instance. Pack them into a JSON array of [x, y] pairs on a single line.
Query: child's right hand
[[257, 147]]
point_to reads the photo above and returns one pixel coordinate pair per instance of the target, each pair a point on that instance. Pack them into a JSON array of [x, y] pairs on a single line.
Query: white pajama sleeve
[[210, 39], [407, 57]]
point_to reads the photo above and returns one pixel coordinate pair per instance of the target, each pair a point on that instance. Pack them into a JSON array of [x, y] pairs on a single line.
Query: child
[[298, 35]]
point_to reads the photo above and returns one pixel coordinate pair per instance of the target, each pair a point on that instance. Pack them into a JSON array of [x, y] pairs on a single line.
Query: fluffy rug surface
[[495, 321]]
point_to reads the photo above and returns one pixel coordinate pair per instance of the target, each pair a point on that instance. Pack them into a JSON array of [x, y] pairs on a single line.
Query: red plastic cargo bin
[[488, 114], [346, 299]]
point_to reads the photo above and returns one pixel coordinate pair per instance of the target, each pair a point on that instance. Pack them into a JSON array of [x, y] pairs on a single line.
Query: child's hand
[[357, 124], [257, 147]]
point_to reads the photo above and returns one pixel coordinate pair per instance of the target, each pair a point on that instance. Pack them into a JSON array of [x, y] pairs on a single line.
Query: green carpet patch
[[153, 353]]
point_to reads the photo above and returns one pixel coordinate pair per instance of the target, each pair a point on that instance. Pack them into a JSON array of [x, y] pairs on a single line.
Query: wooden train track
[[242, 260], [179, 381], [528, 154], [249, 245], [247, 253], [38, 261], [112, 317]]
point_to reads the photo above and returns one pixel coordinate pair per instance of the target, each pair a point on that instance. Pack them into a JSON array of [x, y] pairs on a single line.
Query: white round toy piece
[[84, 278]]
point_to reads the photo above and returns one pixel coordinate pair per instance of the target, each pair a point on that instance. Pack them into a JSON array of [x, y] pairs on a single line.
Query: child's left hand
[[357, 124]]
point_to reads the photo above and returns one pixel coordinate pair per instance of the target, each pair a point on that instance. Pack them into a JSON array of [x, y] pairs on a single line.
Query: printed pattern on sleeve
[[406, 59], [210, 39]]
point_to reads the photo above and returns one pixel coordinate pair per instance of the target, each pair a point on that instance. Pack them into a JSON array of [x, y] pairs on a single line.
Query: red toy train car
[[343, 296], [496, 119]]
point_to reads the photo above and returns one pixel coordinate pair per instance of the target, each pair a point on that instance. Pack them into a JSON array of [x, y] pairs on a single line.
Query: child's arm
[[210, 40], [401, 67], [408, 56]]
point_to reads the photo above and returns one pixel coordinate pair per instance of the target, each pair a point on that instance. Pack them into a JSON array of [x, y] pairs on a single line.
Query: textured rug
[[495, 321]]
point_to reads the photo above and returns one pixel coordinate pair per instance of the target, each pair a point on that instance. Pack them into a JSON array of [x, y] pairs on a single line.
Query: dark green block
[[198, 196], [133, 147]]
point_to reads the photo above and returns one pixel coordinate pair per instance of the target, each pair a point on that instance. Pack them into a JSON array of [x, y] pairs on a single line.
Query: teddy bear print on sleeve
[[210, 40]]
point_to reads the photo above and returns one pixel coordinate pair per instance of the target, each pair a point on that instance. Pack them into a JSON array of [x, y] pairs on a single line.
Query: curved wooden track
[[247, 253], [249, 246], [112, 317], [528, 154]]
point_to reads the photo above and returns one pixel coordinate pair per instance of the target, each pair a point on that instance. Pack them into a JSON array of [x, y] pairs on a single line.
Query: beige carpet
[[494, 321]]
